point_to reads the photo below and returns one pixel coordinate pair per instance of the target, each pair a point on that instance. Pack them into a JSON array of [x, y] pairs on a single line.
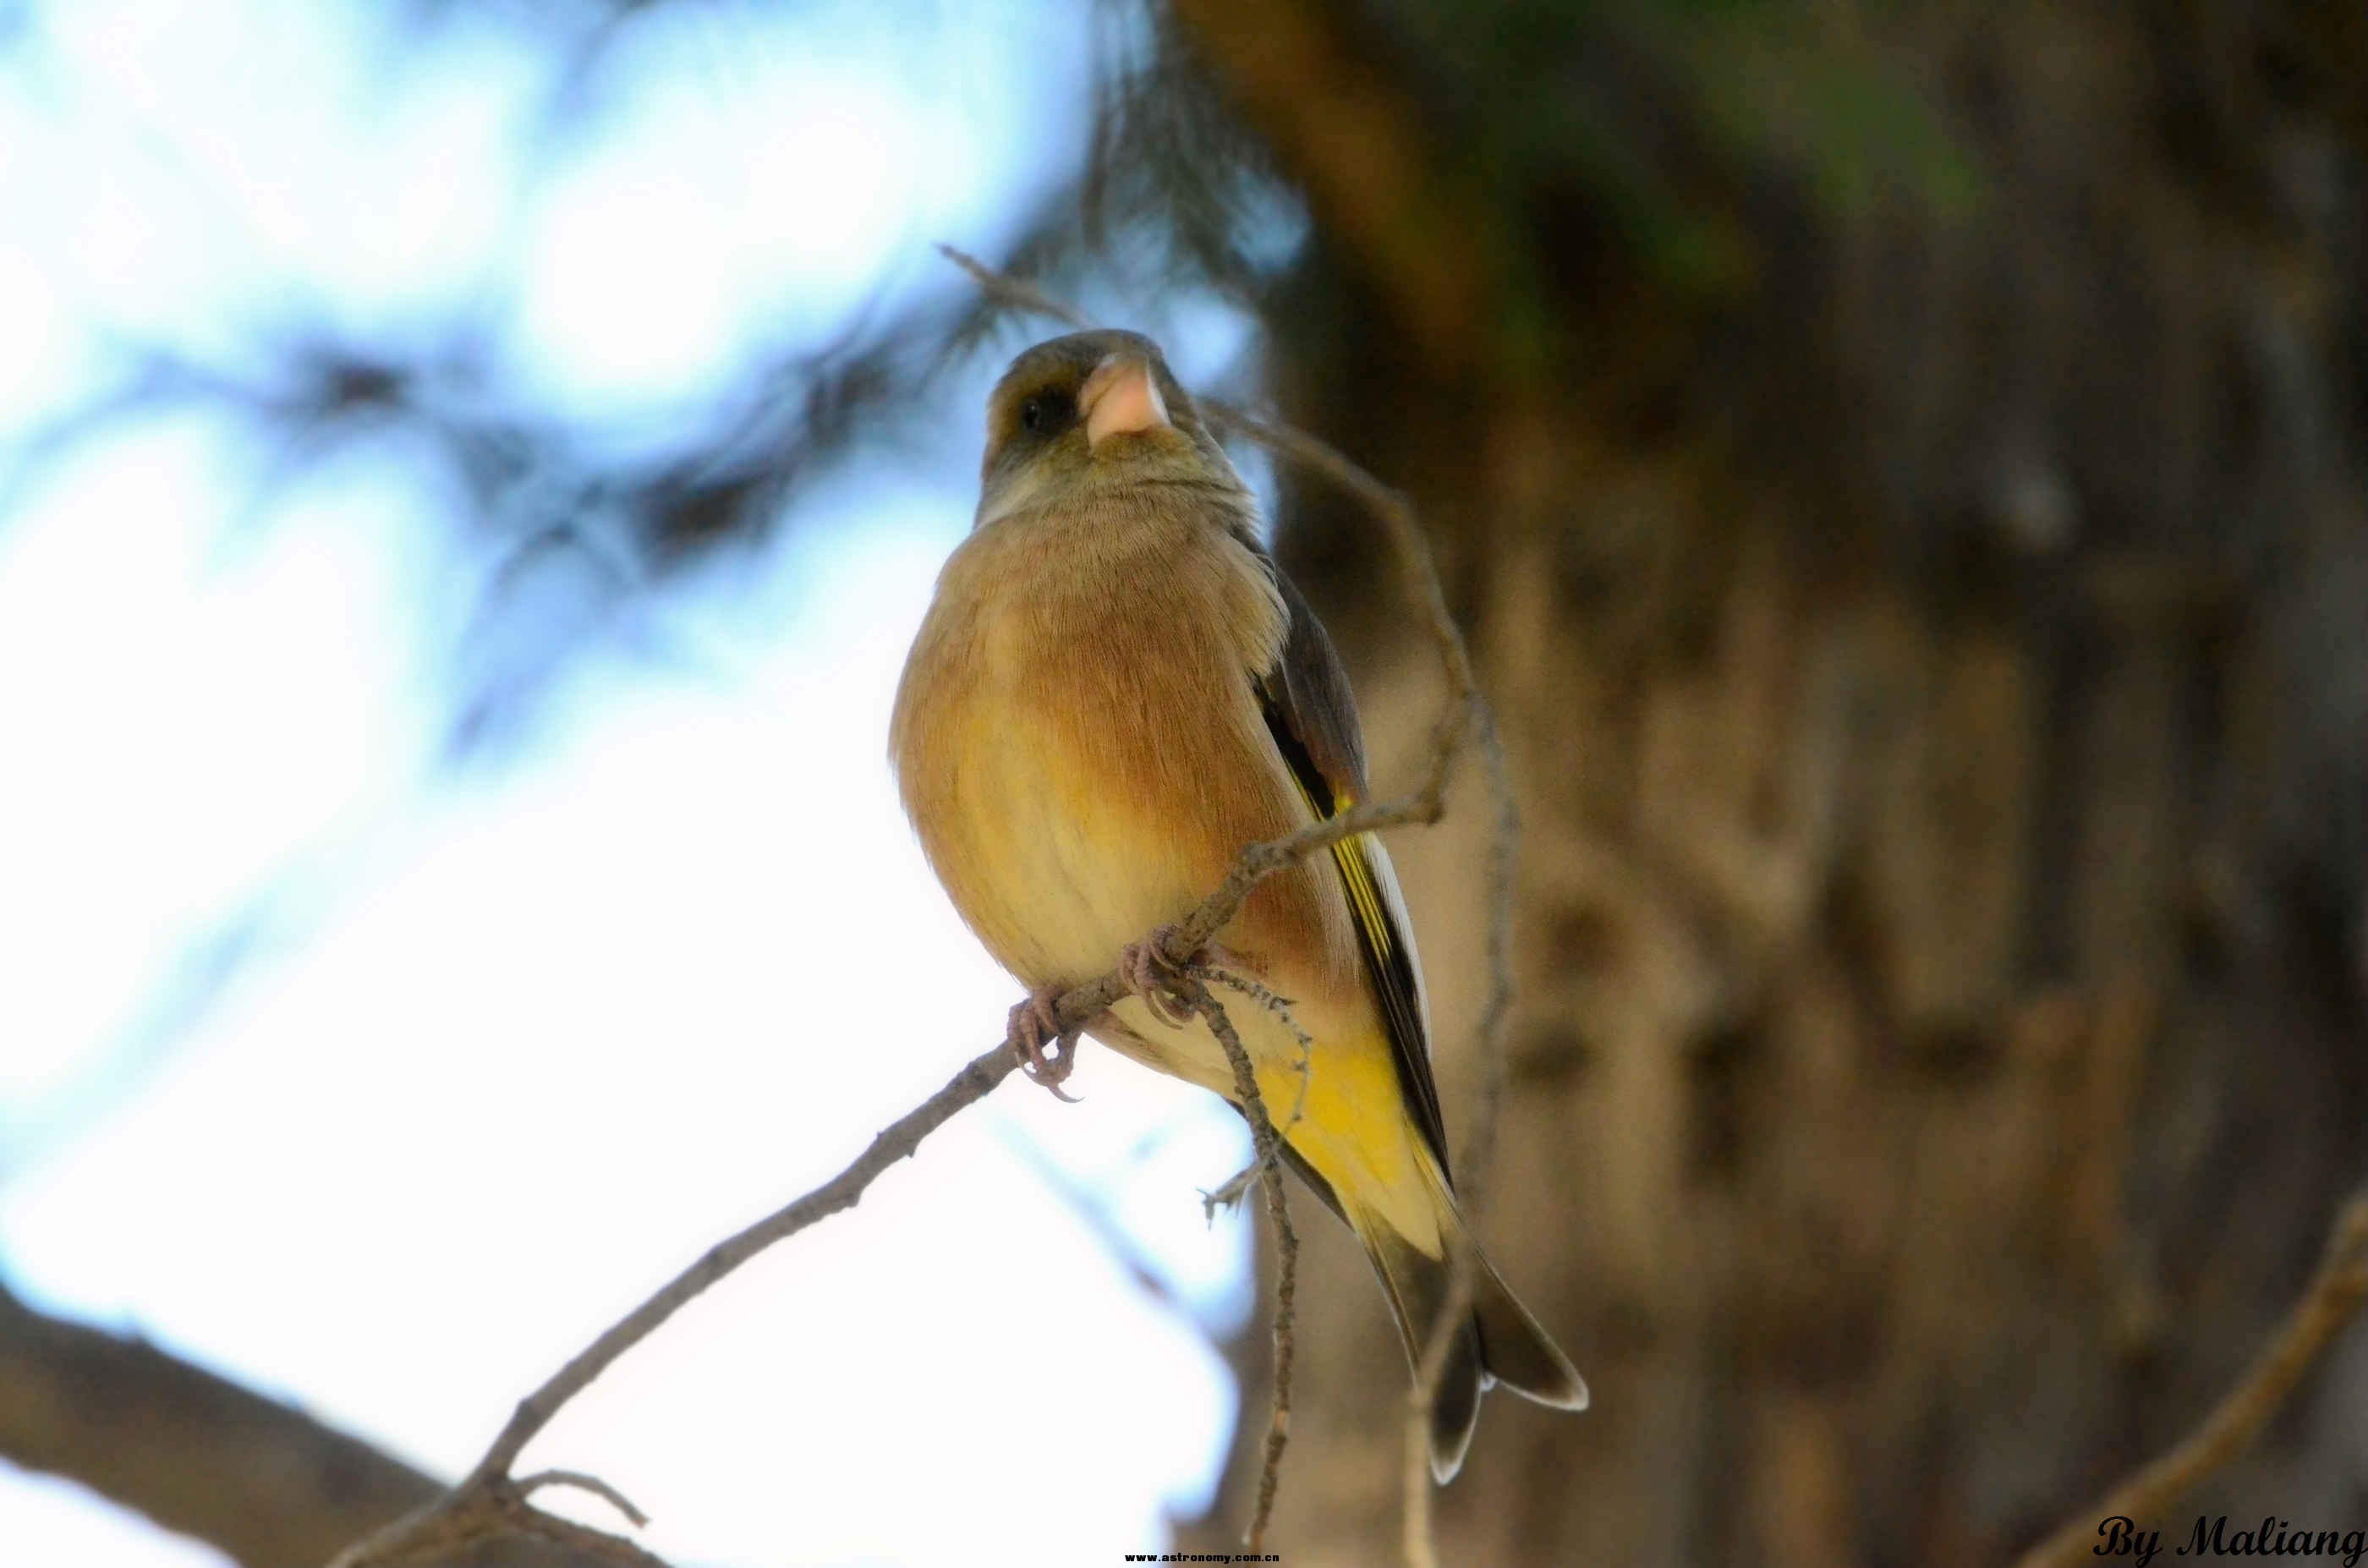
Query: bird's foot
[[1162, 982], [1035, 1024]]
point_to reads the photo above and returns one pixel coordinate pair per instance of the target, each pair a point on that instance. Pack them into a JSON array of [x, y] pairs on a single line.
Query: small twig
[[896, 1143], [1417, 1538], [2335, 1295], [1261, 994], [1008, 289], [583, 1483], [1265, 997], [1221, 1198], [527, 1521], [1267, 1146], [462, 1518], [482, 1493], [1462, 716], [1235, 1187], [1479, 1159]]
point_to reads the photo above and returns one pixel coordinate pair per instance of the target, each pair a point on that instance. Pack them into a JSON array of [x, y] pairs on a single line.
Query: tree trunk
[[1935, 669]]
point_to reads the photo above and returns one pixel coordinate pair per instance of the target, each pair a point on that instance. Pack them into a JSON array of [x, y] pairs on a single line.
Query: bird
[[1114, 691]]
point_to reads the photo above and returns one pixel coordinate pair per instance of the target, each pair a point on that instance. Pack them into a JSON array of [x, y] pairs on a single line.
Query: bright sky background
[[383, 1084]]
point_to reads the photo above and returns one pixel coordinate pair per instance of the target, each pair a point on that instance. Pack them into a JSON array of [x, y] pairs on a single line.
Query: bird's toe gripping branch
[[1166, 985], [1036, 1023]]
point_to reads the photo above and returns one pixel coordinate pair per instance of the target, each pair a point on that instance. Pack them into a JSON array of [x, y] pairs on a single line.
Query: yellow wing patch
[[1364, 898], [1356, 871]]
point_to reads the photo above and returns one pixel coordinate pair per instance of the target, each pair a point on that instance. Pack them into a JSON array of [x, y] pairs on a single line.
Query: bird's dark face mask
[[1081, 414]]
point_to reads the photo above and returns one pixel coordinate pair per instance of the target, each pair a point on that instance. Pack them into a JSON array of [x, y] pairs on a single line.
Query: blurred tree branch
[[2331, 1300], [260, 1481], [1304, 73]]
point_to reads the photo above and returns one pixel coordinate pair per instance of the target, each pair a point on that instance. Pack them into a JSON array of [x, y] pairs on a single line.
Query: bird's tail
[[1498, 1343]]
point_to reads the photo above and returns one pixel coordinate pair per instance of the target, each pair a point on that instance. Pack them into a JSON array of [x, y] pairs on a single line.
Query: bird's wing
[[1314, 722]]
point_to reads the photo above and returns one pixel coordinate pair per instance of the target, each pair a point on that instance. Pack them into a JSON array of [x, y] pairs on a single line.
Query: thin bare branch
[[1280, 1006], [583, 1483], [2334, 1296], [522, 1519], [1419, 1538], [1009, 291], [473, 1514], [481, 1491], [1267, 1145], [1235, 1187]]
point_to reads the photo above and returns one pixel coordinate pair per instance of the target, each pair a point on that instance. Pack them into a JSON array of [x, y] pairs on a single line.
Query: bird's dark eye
[[1042, 413]]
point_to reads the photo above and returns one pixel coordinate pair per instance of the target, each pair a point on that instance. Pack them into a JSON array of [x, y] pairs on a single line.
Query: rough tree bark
[[1933, 649]]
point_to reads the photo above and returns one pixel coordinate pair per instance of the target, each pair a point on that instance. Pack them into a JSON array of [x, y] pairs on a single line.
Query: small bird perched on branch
[[1114, 693]]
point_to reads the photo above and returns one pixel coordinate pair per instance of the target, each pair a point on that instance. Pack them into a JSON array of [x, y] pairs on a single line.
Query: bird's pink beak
[[1121, 398]]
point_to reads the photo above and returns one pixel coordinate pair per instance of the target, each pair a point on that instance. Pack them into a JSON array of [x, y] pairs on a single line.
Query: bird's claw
[[1036, 1023], [1151, 974]]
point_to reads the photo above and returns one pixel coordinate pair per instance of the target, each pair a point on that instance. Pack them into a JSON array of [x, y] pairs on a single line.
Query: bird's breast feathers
[[1077, 738]]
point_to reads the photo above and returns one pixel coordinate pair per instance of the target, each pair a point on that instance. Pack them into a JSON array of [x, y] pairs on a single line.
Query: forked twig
[[1266, 1147]]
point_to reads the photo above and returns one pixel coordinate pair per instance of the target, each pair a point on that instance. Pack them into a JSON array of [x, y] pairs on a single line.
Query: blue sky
[[383, 1084]]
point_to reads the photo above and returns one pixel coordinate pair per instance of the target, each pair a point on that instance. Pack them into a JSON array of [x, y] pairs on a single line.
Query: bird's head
[[1092, 412]]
